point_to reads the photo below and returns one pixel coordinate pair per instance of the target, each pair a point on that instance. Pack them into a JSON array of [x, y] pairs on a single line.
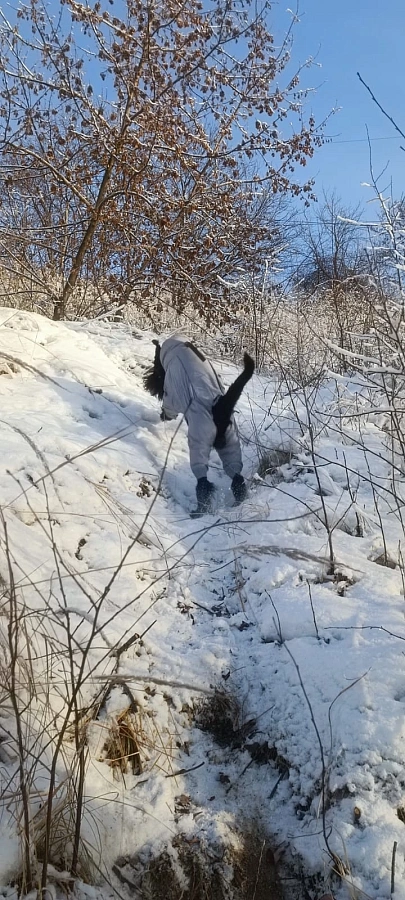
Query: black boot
[[204, 491], [239, 488]]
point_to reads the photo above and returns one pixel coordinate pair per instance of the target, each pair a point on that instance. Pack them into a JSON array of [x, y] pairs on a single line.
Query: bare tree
[[334, 269], [142, 123]]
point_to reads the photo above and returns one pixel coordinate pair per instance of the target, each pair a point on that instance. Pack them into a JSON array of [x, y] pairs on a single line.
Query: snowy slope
[[243, 601]]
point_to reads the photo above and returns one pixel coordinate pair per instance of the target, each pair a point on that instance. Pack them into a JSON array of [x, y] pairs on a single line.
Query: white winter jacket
[[191, 388]]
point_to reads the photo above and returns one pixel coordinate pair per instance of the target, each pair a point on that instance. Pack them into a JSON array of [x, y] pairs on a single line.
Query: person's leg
[[201, 436], [231, 457], [230, 454], [239, 488], [204, 491]]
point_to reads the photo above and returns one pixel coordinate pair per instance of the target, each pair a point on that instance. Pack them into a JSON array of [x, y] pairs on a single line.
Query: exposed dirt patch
[[188, 870]]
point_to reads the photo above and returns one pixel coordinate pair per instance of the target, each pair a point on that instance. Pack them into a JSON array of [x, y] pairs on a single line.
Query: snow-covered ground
[[242, 605]]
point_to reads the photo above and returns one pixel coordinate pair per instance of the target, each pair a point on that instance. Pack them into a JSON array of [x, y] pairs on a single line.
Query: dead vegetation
[[272, 461], [221, 716], [56, 841], [243, 868], [121, 749]]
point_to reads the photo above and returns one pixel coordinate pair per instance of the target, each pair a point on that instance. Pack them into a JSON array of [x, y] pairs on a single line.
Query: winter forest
[[195, 703]]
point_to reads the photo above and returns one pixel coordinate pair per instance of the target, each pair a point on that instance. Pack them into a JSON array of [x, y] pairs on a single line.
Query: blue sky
[[347, 36]]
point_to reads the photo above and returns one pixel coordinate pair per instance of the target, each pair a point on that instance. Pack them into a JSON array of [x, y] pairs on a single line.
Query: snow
[[240, 601]]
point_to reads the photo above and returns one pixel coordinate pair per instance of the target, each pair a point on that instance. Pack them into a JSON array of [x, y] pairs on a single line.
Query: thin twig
[[394, 853], [387, 116], [185, 771], [313, 611]]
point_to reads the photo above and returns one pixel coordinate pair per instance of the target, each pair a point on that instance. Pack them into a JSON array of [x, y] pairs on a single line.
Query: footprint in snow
[[92, 413]]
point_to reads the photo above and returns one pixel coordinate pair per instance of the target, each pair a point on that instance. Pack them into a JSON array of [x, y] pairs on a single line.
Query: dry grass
[[121, 748], [221, 716], [244, 868], [270, 461], [60, 844]]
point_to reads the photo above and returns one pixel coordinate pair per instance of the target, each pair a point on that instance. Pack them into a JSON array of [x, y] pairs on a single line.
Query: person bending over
[[188, 384]]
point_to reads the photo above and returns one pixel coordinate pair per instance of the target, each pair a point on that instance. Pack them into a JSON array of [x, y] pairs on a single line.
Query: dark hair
[[154, 379]]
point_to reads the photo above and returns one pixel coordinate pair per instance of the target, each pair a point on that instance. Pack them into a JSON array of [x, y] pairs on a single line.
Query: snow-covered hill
[[255, 683]]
